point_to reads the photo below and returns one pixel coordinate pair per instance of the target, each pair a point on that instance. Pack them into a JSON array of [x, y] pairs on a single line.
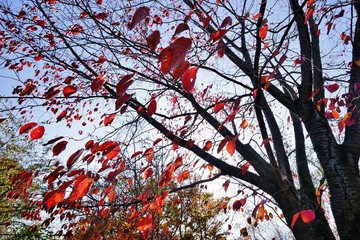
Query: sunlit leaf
[[188, 78], [307, 215], [81, 188], [231, 147], [37, 132], [27, 127], [145, 223]]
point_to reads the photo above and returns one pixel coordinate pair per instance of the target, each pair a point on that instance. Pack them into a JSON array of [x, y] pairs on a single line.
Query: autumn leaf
[[226, 185], [148, 172], [231, 147], [227, 21], [263, 31], [222, 145], [244, 168], [59, 147], [149, 154], [51, 199], [238, 204], [140, 14], [217, 36], [109, 119], [153, 40], [332, 88], [69, 90], [173, 56], [27, 127], [37, 132], [151, 108], [145, 223], [307, 215], [218, 107], [188, 78], [73, 158], [295, 217], [207, 146], [179, 71], [244, 124], [181, 28], [81, 188], [97, 83]]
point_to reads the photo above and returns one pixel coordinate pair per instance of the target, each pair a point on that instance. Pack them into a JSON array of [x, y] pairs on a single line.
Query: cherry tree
[[249, 90]]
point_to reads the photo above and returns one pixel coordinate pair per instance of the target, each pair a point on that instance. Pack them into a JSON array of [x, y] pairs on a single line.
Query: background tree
[[249, 77]]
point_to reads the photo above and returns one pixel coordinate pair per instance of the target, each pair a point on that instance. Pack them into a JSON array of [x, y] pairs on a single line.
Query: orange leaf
[[188, 79], [295, 217], [109, 119], [218, 107], [37, 132], [263, 31], [51, 199], [207, 146], [173, 56], [81, 188], [148, 172], [335, 114], [151, 108], [149, 154], [230, 147], [140, 14], [245, 168], [244, 124], [145, 223], [153, 40], [27, 127], [341, 125], [307, 215]]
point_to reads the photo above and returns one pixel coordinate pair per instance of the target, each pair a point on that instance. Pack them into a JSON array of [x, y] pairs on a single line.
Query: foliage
[[226, 88]]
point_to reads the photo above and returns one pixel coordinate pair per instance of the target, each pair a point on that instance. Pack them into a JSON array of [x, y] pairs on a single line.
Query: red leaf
[[73, 158], [61, 115], [37, 132], [183, 176], [206, 21], [151, 108], [188, 78], [149, 154], [180, 28], [226, 185], [109, 119], [89, 144], [341, 125], [295, 217], [230, 147], [27, 127], [207, 146], [135, 154], [153, 40], [332, 88], [97, 83], [218, 107], [173, 56], [29, 89], [238, 204], [81, 188], [222, 145], [121, 87], [245, 168], [157, 141], [307, 215], [51, 199], [99, 2], [263, 31], [59, 147], [216, 37], [148, 173], [54, 140], [225, 22], [109, 149], [140, 14], [179, 71], [38, 58], [69, 90], [145, 223]]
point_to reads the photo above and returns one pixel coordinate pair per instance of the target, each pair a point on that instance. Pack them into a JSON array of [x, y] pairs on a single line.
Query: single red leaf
[[222, 145], [231, 147], [217, 36], [109, 119], [105, 212], [59, 147], [295, 217], [153, 40], [97, 83], [29, 89], [188, 78], [332, 88], [244, 168], [89, 144], [135, 154], [27, 127], [54, 140], [99, 2], [151, 108], [69, 90], [37, 132], [121, 87], [180, 28], [148, 172], [149, 154], [218, 107], [207, 146], [73, 158], [51, 199], [145, 223], [81, 188], [206, 21], [263, 31], [173, 56], [179, 71], [227, 21], [341, 125], [38, 58], [226, 185], [157, 141], [307, 215], [238, 204], [244, 124], [61, 116], [140, 14]]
